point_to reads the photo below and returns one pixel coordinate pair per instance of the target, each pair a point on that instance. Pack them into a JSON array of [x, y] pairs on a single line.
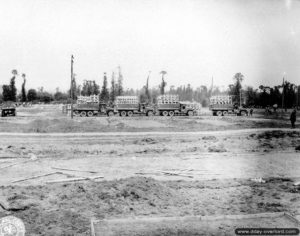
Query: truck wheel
[[225, 113], [123, 113], [150, 113], [110, 113], [76, 113], [190, 113], [243, 113], [90, 113], [129, 113], [165, 113], [214, 113], [219, 113], [83, 113], [171, 113]]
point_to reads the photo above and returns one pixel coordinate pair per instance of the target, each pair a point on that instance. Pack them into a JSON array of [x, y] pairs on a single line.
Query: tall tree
[[235, 90], [113, 88], [6, 93], [104, 95], [10, 91], [120, 83], [24, 97], [31, 95], [12, 85], [147, 93], [163, 83]]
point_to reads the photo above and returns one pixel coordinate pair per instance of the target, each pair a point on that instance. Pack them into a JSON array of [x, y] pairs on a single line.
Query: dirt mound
[[209, 138], [145, 141], [217, 148], [276, 134], [147, 189], [66, 209]]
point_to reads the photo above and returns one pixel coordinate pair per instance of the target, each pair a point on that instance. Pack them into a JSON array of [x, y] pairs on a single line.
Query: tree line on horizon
[[286, 94]]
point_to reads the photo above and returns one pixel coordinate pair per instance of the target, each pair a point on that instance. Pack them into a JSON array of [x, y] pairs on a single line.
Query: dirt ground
[[49, 118], [150, 167]]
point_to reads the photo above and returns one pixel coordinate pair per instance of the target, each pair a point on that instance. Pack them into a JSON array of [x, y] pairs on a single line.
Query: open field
[[150, 167]]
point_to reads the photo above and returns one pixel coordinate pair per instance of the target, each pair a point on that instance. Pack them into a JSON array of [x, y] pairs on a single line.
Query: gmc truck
[[130, 105], [169, 105], [223, 105]]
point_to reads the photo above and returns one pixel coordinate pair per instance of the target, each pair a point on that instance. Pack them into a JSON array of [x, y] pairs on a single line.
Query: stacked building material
[[127, 100], [88, 99], [167, 99], [221, 100]]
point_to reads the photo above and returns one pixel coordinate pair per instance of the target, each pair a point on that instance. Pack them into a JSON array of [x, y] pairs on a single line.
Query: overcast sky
[[193, 40]]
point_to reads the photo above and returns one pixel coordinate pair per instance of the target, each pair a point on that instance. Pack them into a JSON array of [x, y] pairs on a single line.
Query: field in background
[[49, 118]]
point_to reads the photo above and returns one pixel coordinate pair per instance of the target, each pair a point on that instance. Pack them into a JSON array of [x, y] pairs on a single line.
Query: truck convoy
[[8, 109], [223, 105], [167, 105]]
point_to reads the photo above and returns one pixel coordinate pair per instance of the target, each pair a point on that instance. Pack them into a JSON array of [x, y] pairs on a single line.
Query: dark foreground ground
[[66, 209]]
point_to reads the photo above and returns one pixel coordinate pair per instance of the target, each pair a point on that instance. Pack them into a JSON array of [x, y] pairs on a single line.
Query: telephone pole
[[282, 102], [72, 82]]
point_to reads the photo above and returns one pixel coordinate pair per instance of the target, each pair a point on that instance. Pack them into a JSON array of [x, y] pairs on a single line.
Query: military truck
[[8, 109], [224, 105], [93, 109], [169, 105], [130, 105], [91, 106]]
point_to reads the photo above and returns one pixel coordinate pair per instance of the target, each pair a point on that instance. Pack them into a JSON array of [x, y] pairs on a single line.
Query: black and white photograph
[[149, 117]]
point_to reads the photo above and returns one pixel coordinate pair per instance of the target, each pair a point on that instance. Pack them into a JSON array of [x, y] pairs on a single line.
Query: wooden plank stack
[[127, 100], [221, 100], [168, 99], [88, 99]]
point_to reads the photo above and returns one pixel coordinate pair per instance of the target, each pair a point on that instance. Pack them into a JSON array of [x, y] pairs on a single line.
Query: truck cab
[[8, 109]]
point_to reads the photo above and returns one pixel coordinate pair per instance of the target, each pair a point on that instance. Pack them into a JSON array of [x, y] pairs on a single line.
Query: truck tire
[[150, 113], [165, 113], [225, 113], [123, 113], [171, 113], [214, 113], [110, 113], [190, 113], [129, 113], [76, 113], [90, 113], [83, 113], [219, 113]]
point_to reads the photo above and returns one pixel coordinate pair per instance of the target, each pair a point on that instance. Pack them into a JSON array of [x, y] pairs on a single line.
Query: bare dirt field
[[174, 166]]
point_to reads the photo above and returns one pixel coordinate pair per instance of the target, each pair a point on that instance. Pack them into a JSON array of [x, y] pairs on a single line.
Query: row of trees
[[286, 94]]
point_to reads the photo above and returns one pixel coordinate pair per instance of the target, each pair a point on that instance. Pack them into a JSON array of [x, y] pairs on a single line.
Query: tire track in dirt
[[91, 134]]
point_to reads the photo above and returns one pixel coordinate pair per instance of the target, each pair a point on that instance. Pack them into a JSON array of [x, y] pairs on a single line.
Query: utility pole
[[71, 90], [282, 102], [297, 95]]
